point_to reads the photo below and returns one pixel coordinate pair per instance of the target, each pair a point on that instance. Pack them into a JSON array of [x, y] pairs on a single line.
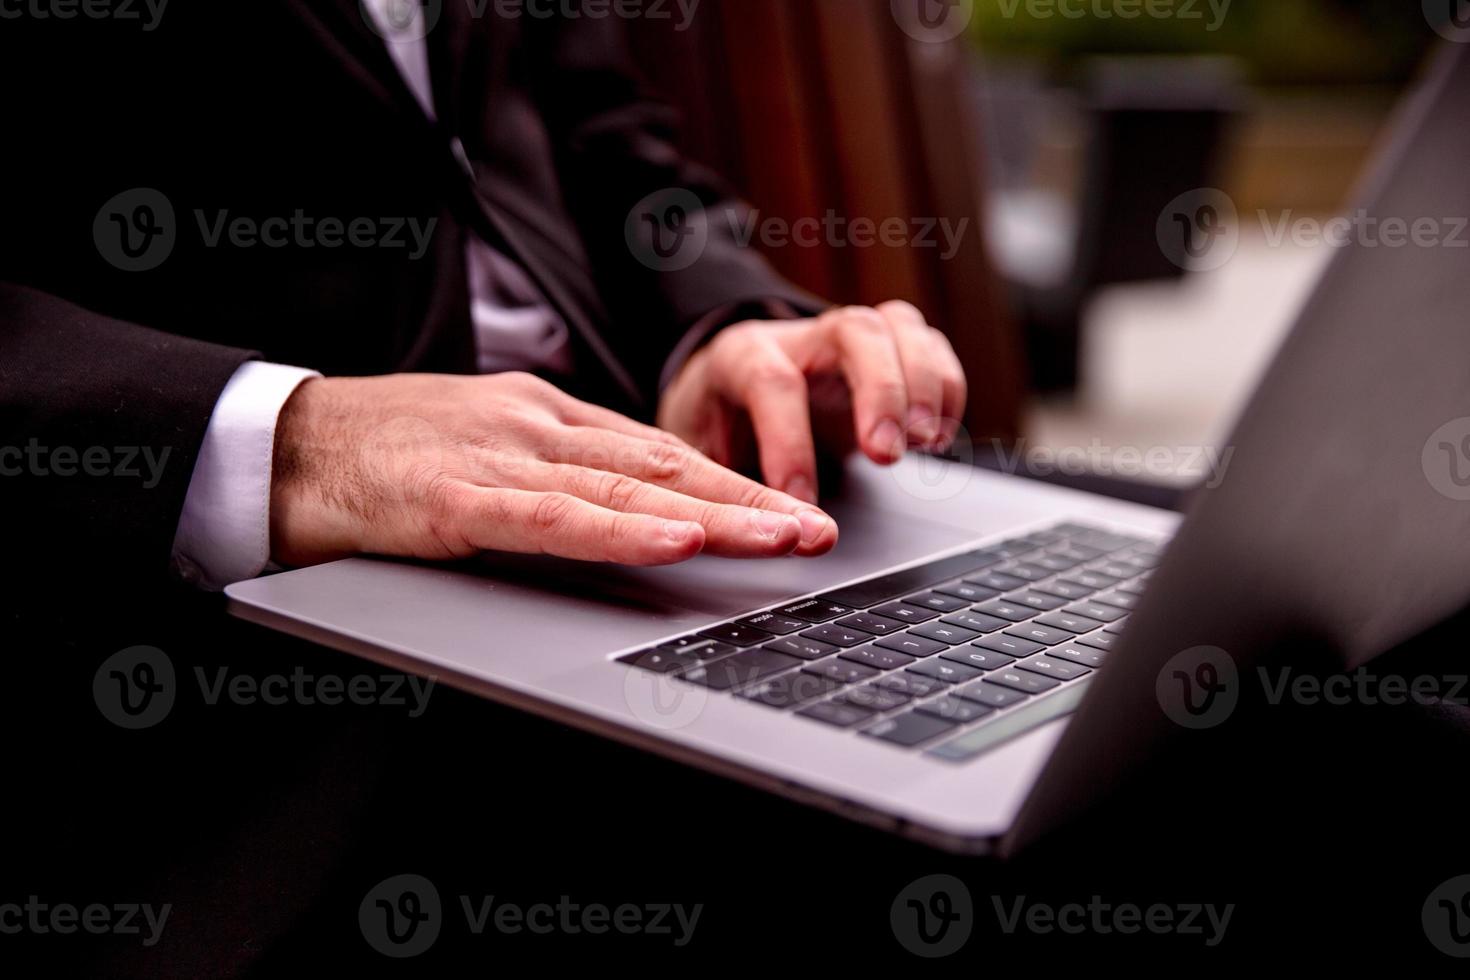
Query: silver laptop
[[927, 676]]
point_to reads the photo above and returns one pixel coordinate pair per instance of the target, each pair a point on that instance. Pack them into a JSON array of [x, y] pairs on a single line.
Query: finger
[[920, 372], [681, 469], [580, 413], [956, 389], [766, 382], [562, 525], [730, 531], [871, 363]]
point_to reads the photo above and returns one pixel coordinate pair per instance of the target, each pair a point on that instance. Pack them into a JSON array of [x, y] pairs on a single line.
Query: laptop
[[982, 654]]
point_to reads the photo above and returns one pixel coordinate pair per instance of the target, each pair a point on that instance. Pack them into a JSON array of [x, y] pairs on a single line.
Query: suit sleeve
[[100, 426], [665, 234]]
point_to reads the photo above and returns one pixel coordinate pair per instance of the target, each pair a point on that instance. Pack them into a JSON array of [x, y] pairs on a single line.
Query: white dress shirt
[[224, 531]]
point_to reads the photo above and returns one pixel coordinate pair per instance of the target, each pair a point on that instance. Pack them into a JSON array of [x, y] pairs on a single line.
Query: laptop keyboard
[[950, 658]]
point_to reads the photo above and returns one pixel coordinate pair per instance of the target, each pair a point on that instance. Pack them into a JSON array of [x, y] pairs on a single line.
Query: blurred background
[[1119, 194]]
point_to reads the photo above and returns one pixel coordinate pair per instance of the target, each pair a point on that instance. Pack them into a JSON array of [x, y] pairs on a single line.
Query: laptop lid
[[1343, 520]]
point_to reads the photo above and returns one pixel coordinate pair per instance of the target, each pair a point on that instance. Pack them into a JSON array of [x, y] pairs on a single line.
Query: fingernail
[[813, 525], [888, 437], [770, 526], [922, 424], [678, 531], [801, 488]]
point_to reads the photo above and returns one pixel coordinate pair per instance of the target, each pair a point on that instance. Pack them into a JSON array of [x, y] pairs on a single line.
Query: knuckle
[[619, 491], [864, 320], [901, 309], [776, 372], [553, 513], [665, 462]]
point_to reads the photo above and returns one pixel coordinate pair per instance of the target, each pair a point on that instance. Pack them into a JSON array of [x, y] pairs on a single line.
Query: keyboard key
[[1078, 552], [1047, 636], [869, 623], [1071, 622], [1096, 610], [906, 613], [878, 657], [698, 647], [838, 669], [775, 623], [1024, 681], [790, 690], [910, 684], [909, 729], [1115, 627], [1098, 641], [1079, 655], [1091, 580], [1118, 599], [976, 657], [979, 622], [914, 646], [735, 633], [991, 696], [937, 600], [945, 670], [967, 591], [1140, 563], [796, 646], [874, 698], [885, 587], [836, 713], [660, 661], [1115, 570], [999, 581], [1011, 646], [944, 633], [1055, 562], [1054, 667], [955, 710], [1133, 588], [1037, 600], [814, 610], [743, 668], [1026, 573], [839, 636], [1064, 589], [1005, 609]]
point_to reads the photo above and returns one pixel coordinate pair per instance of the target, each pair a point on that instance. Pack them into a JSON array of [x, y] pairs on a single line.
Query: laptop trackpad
[[871, 541]]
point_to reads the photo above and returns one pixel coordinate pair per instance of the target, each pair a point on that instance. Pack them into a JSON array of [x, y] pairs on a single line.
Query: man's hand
[[443, 467], [881, 379]]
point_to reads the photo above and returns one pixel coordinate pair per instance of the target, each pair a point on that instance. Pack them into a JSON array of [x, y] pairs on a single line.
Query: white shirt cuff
[[224, 531]]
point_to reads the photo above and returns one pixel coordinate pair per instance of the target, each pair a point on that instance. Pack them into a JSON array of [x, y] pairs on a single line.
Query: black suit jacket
[[283, 107]]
